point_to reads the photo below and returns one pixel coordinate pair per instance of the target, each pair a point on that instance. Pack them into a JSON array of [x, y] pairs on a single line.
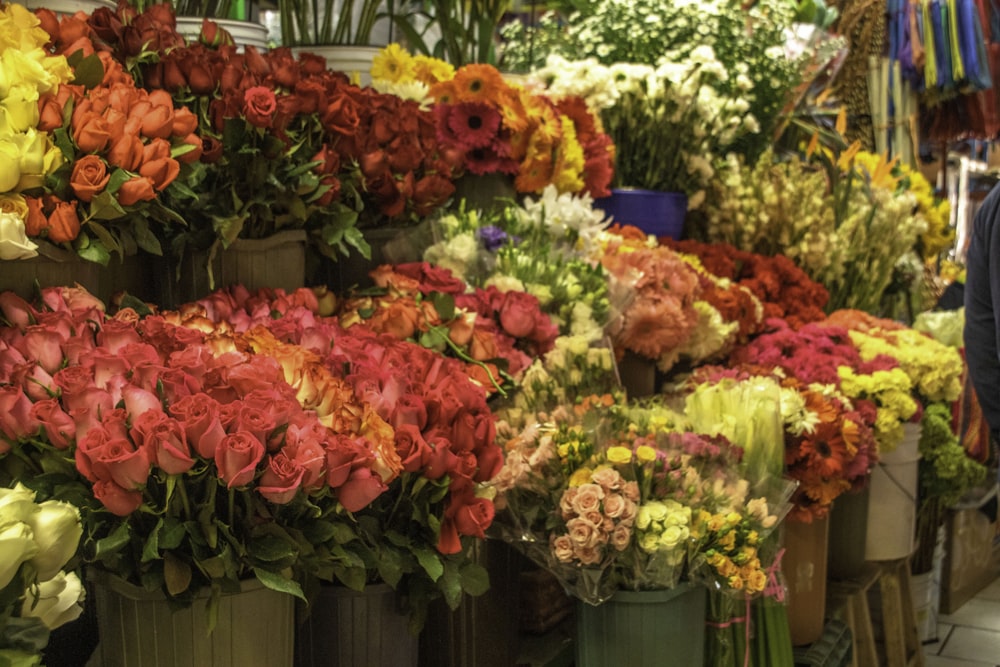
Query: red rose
[[412, 448], [343, 454], [120, 461], [118, 501], [472, 431], [312, 96], [237, 456], [341, 116], [472, 516], [441, 460], [284, 69], [312, 64], [306, 447], [448, 540], [519, 314], [259, 106], [431, 192], [199, 415], [409, 409], [361, 488], [432, 278], [105, 23], [405, 154], [211, 150], [281, 479]]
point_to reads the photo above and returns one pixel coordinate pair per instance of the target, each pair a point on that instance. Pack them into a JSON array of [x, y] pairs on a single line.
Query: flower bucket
[[245, 33], [278, 261], [892, 508], [53, 267], [848, 530], [643, 629], [656, 213], [491, 193], [638, 375], [354, 61], [69, 7], [139, 628], [348, 628], [483, 631], [805, 568]]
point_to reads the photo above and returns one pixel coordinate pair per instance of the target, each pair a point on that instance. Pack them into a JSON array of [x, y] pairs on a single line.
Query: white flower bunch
[[37, 540], [664, 526]]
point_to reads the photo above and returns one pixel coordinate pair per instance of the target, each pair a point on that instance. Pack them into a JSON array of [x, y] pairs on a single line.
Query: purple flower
[[492, 237]]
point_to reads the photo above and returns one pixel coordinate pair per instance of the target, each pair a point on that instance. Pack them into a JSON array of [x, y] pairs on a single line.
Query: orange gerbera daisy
[[826, 410], [478, 83], [825, 450], [535, 173], [512, 107]]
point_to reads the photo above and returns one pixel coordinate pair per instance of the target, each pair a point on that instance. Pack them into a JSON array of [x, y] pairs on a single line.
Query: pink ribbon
[[774, 588]]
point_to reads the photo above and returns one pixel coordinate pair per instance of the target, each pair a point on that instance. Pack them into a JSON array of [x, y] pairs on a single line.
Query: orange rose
[[117, 123], [483, 345], [460, 329], [401, 319], [35, 221], [135, 190], [64, 223], [126, 152], [91, 133], [158, 123], [194, 155], [185, 122], [90, 176], [157, 149], [161, 171]]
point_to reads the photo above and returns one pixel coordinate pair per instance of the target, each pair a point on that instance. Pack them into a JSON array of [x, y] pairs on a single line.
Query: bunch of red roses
[[497, 334], [196, 461], [434, 413]]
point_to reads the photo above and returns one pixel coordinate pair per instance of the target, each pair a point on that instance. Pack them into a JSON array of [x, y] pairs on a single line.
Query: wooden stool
[[878, 608]]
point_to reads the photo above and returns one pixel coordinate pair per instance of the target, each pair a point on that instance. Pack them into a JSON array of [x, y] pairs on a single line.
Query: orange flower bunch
[[123, 146], [661, 316], [501, 127]]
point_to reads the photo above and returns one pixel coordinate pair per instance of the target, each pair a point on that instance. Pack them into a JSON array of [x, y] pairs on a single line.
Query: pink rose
[[360, 489], [115, 422], [164, 440], [441, 460], [37, 384], [562, 549], [614, 505], [308, 452], [138, 400], [519, 313], [88, 448], [343, 454], [566, 502], [237, 457], [621, 537], [255, 421], [583, 533], [199, 415], [587, 499], [60, 429], [16, 421], [16, 310], [281, 479], [43, 345], [259, 372], [589, 555], [109, 368], [176, 384], [119, 501], [114, 335], [608, 478], [119, 460]]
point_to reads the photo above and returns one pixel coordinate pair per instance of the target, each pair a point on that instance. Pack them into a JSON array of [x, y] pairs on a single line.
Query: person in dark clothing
[[982, 308]]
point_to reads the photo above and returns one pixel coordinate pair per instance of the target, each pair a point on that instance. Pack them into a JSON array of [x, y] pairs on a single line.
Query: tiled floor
[[970, 637]]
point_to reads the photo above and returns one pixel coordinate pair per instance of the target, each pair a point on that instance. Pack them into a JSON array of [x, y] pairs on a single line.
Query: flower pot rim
[[653, 596], [126, 589], [276, 239], [649, 193]]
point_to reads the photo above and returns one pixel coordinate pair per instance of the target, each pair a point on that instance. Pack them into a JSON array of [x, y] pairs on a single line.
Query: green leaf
[[151, 550], [475, 579], [176, 574], [444, 304], [214, 567], [272, 549], [276, 582], [94, 251], [145, 238], [171, 533], [390, 567], [113, 543], [352, 577], [431, 562], [89, 71]]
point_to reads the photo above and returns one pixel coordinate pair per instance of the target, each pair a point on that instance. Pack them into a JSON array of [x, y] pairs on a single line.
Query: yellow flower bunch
[[731, 549], [935, 369], [935, 210], [891, 391]]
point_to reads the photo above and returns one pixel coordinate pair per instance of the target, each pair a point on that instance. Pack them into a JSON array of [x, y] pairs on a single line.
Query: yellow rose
[[581, 476], [14, 203], [21, 29], [34, 146], [619, 455], [54, 157], [10, 165], [19, 109], [645, 454]]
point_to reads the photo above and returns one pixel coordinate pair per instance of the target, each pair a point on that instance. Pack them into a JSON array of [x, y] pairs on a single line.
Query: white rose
[[16, 504], [57, 529], [57, 602], [14, 242], [17, 544]]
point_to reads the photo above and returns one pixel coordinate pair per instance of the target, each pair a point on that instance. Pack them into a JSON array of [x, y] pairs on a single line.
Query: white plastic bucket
[[892, 506]]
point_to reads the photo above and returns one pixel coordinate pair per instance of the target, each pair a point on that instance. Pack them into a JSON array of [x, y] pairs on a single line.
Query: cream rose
[[57, 529], [57, 602], [587, 499]]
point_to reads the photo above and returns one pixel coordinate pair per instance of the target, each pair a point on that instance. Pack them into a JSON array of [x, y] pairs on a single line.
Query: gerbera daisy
[[393, 63], [569, 165], [477, 83], [486, 160], [432, 70], [534, 174], [474, 124], [825, 450]]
